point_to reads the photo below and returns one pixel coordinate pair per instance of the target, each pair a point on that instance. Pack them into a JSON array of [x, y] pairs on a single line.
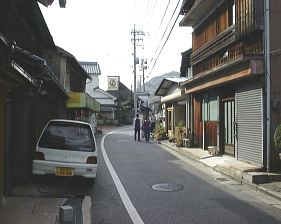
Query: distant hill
[[152, 85]]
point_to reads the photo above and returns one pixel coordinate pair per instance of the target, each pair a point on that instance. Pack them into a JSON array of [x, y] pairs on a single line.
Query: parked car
[[66, 148]]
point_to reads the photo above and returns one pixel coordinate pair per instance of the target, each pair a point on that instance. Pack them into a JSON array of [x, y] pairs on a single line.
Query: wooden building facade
[[228, 76], [30, 93]]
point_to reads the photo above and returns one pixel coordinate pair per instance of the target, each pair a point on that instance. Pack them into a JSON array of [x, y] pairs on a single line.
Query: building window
[[189, 73], [210, 108], [229, 112]]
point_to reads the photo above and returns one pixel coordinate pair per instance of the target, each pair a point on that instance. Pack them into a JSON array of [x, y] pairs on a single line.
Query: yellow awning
[[82, 100]]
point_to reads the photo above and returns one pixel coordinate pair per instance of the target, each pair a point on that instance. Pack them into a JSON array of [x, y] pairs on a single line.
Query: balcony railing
[[251, 45]]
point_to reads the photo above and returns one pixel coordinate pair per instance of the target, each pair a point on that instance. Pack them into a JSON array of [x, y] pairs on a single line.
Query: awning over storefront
[[176, 96], [167, 83], [170, 90], [197, 10], [82, 100]]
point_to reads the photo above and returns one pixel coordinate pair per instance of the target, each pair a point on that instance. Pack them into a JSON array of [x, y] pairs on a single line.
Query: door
[[170, 122], [229, 123], [198, 123], [249, 118]]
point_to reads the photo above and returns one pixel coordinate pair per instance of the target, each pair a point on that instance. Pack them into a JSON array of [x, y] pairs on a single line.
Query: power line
[[161, 39], [148, 7], [163, 17], [164, 45], [166, 26], [167, 36], [153, 9], [135, 7]]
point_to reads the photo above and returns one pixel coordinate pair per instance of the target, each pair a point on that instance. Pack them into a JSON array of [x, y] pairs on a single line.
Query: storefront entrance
[[229, 127], [170, 121]]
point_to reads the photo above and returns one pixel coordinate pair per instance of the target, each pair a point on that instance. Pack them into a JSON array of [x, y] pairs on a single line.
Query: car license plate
[[64, 171]]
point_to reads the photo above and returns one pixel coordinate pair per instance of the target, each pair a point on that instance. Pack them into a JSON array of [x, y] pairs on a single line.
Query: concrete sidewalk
[[27, 210], [41, 209], [268, 183]]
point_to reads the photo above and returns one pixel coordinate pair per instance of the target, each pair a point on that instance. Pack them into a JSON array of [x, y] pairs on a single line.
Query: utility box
[[66, 214]]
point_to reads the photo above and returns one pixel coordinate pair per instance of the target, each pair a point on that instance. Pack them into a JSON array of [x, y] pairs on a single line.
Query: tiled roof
[[91, 67]]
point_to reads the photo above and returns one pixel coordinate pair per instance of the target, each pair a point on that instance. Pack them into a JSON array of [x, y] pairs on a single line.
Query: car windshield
[[67, 136]]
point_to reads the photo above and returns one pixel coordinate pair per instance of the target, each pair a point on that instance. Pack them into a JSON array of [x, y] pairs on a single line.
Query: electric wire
[[147, 10], [153, 9], [164, 45], [166, 30], [135, 8], [163, 17], [166, 38]]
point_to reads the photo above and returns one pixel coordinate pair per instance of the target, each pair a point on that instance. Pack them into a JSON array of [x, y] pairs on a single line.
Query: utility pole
[[267, 82], [135, 73], [135, 39]]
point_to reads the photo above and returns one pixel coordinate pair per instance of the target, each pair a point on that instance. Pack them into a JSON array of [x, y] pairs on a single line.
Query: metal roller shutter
[[249, 124]]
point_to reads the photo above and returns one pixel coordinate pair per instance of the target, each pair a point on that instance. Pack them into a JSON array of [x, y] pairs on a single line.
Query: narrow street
[[192, 193], [202, 76]]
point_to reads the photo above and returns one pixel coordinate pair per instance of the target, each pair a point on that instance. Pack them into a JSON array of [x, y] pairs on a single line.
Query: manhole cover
[[167, 187], [221, 179]]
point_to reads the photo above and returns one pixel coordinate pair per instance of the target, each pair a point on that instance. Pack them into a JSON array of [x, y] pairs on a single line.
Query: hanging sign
[[113, 82]]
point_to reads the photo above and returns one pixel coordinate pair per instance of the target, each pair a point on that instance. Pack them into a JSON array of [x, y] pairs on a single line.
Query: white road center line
[[135, 217]]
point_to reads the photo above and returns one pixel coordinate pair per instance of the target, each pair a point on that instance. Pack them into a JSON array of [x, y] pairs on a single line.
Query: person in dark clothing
[[146, 129], [137, 127]]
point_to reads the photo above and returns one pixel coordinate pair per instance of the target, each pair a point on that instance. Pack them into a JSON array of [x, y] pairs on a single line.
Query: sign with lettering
[[113, 82]]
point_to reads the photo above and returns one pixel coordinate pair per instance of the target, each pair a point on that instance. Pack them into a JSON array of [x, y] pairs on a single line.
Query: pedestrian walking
[[146, 129], [137, 127]]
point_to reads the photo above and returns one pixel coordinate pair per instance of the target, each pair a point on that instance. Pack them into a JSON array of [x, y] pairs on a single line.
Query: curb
[[86, 210]]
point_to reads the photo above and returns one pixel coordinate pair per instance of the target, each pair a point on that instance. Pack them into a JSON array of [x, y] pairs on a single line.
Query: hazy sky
[[100, 31]]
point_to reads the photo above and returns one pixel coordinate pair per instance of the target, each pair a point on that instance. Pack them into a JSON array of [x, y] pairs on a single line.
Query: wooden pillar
[[198, 122]]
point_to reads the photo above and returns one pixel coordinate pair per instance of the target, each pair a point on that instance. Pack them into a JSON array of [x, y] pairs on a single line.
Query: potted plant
[[179, 134], [159, 132]]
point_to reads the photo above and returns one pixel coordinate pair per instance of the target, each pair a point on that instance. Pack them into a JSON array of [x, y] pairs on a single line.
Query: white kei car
[[66, 148]]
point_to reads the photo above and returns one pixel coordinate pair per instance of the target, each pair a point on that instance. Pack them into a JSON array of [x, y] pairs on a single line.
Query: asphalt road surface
[[132, 176]]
